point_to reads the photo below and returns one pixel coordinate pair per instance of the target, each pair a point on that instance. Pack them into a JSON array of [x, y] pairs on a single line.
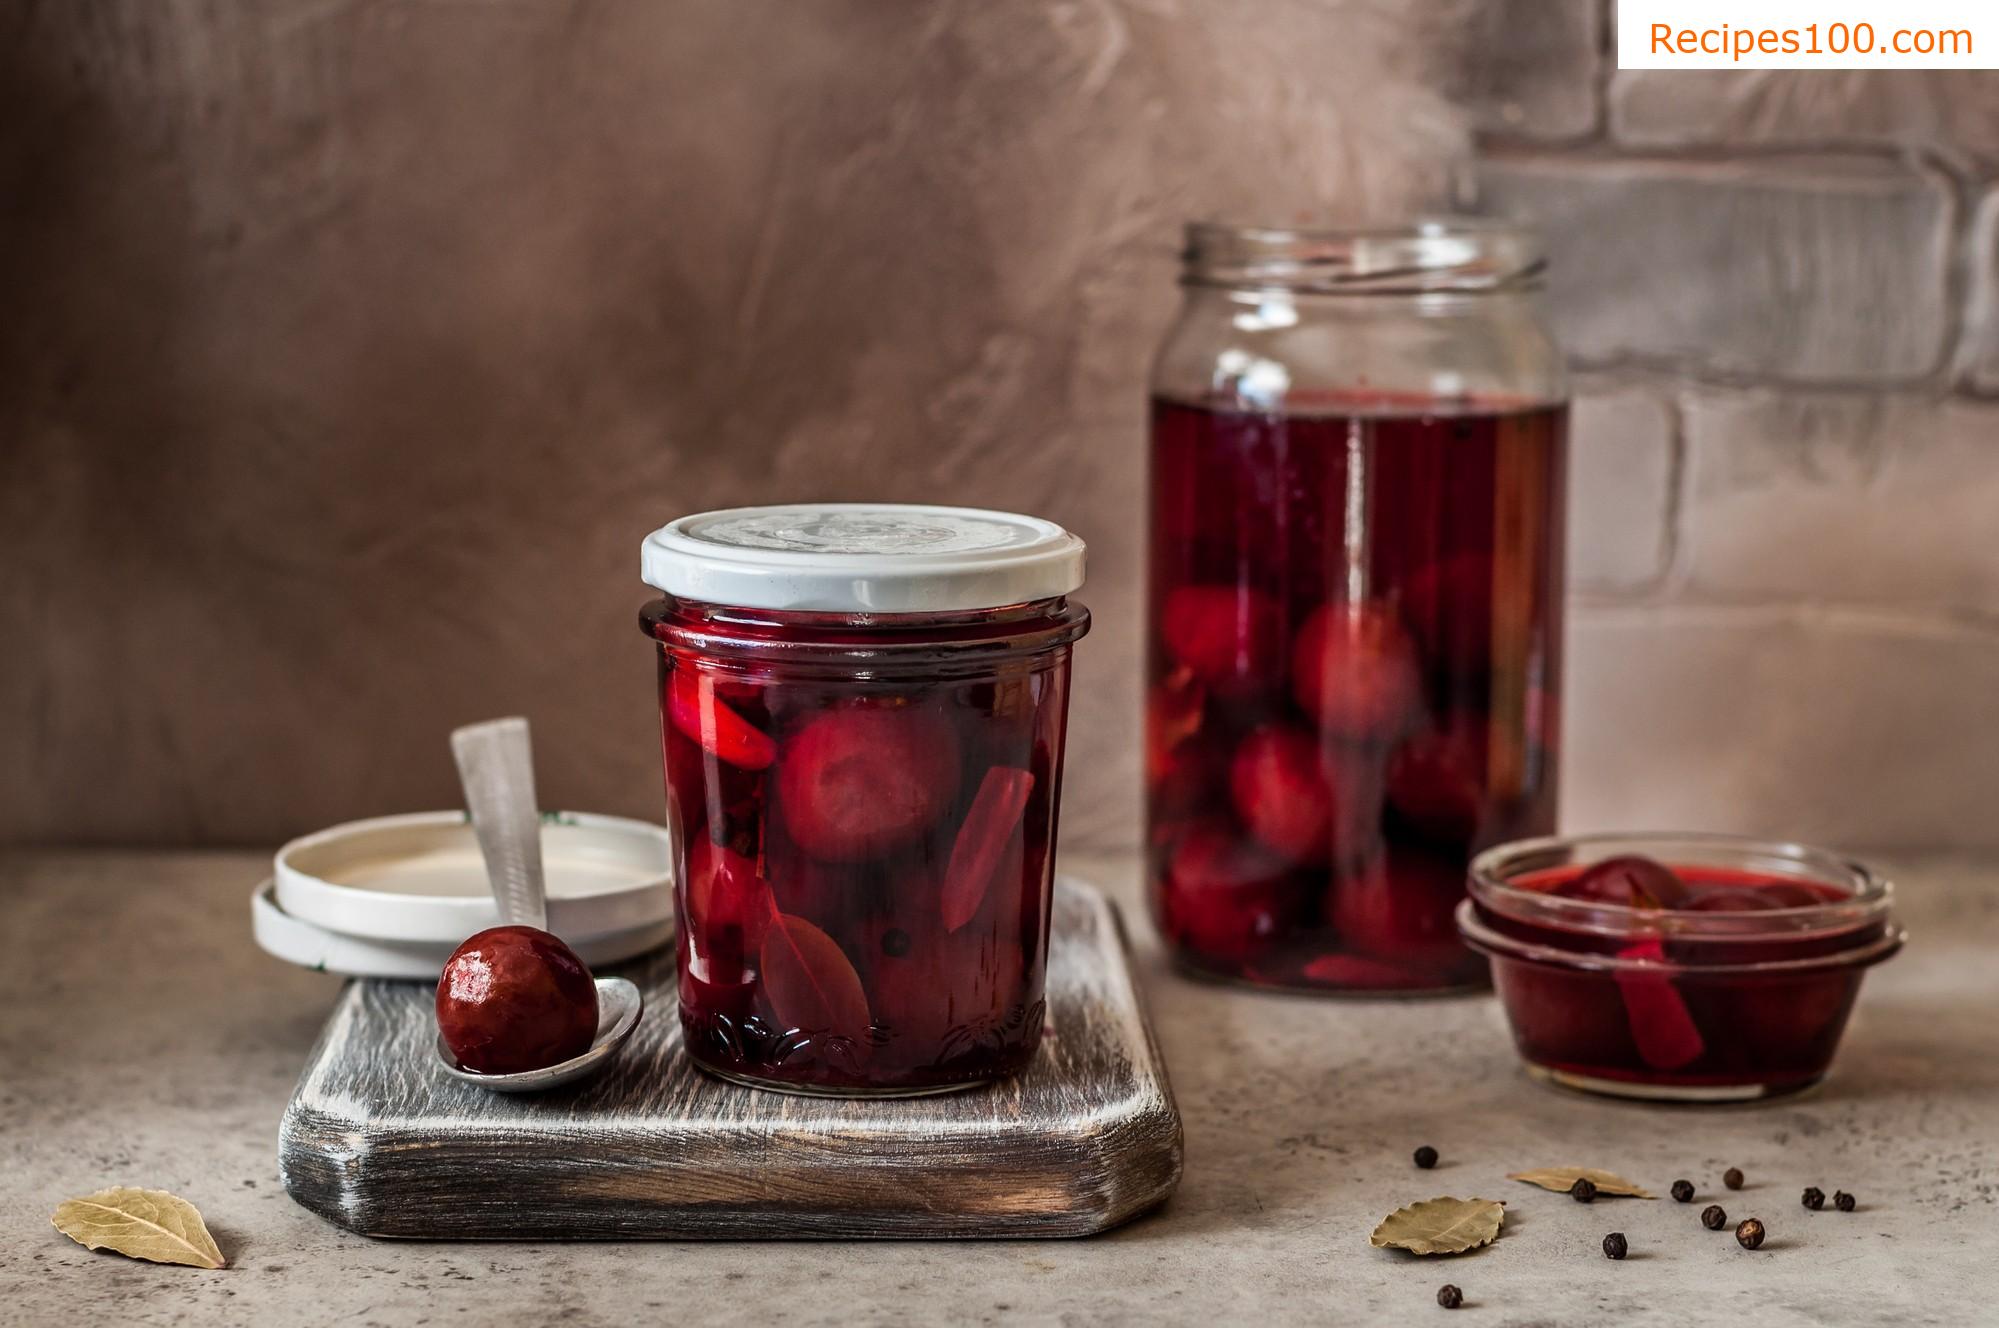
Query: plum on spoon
[[517, 1011]]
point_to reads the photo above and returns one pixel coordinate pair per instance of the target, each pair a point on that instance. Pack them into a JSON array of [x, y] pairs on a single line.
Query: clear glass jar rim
[[900, 643], [1482, 938], [1870, 895], [1428, 254]]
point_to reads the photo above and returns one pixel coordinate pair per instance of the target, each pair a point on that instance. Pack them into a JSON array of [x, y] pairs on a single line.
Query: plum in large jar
[[1356, 598]]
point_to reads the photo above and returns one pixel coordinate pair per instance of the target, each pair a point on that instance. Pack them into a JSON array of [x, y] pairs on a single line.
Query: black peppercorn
[[1615, 1246], [1449, 1296], [1583, 1191], [1750, 1234], [1732, 1178], [1843, 1201], [1683, 1190], [1713, 1218], [1426, 1157], [1814, 1198]]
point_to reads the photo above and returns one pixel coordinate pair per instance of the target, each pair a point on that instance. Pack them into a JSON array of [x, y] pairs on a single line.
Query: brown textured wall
[[352, 346]]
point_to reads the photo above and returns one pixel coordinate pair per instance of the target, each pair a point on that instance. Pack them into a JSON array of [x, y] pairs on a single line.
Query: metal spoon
[[496, 768], [618, 1008]]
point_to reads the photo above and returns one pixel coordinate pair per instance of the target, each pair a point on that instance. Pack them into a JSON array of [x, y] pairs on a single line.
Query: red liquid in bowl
[[1738, 985], [1356, 629]]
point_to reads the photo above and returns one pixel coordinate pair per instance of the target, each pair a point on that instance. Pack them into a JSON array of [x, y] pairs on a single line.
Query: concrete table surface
[[144, 1040]]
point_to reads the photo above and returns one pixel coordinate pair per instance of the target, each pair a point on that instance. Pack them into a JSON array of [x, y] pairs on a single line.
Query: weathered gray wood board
[[381, 1141]]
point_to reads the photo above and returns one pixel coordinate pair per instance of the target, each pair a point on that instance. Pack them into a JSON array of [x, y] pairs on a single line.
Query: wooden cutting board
[[378, 1139]]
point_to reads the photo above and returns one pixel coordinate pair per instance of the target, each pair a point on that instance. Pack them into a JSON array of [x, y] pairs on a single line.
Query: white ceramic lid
[[420, 877], [862, 558], [283, 936]]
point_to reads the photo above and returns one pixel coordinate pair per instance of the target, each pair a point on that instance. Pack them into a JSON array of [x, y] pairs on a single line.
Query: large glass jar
[[1358, 447], [862, 710]]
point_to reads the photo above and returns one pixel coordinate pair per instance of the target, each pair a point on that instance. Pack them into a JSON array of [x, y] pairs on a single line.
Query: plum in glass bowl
[[1690, 968]]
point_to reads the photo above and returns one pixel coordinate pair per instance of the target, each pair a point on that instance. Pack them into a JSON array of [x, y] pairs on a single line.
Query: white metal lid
[[862, 558], [280, 934], [420, 877]]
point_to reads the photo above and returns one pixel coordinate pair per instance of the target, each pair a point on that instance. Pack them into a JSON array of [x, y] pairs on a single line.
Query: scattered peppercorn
[[1750, 1234], [1449, 1296], [1584, 1190], [1426, 1157], [1732, 1178], [1843, 1201], [1615, 1246], [1713, 1218], [1683, 1190], [1814, 1198]]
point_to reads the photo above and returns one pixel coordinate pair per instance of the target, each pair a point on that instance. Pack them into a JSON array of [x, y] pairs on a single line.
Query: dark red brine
[[866, 804], [1353, 676], [1723, 976], [1353, 679]]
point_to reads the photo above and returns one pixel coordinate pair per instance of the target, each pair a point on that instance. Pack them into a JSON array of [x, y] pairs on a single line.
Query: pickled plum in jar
[[1367, 750], [1355, 600], [865, 709]]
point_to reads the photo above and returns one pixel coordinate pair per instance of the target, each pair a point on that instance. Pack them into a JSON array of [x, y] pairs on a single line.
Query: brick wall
[[1781, 291], [361, 340]]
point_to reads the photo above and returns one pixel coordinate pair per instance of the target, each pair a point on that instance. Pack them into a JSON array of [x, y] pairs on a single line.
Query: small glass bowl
[[1675, 1004]]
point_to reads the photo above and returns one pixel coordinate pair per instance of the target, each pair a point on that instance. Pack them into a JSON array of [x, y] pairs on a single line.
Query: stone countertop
[[146, 1041]]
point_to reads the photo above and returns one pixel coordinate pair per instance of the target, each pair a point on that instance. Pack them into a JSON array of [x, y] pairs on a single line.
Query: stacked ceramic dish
[[392, 897]]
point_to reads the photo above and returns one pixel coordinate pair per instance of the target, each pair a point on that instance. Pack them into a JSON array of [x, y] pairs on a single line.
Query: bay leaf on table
[[141, 1224], [1561, 1178], [1440, 1226]]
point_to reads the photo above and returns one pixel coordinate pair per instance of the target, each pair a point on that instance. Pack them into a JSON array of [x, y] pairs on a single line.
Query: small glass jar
[[1358, 458], [1732, 982], [862, 709]]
